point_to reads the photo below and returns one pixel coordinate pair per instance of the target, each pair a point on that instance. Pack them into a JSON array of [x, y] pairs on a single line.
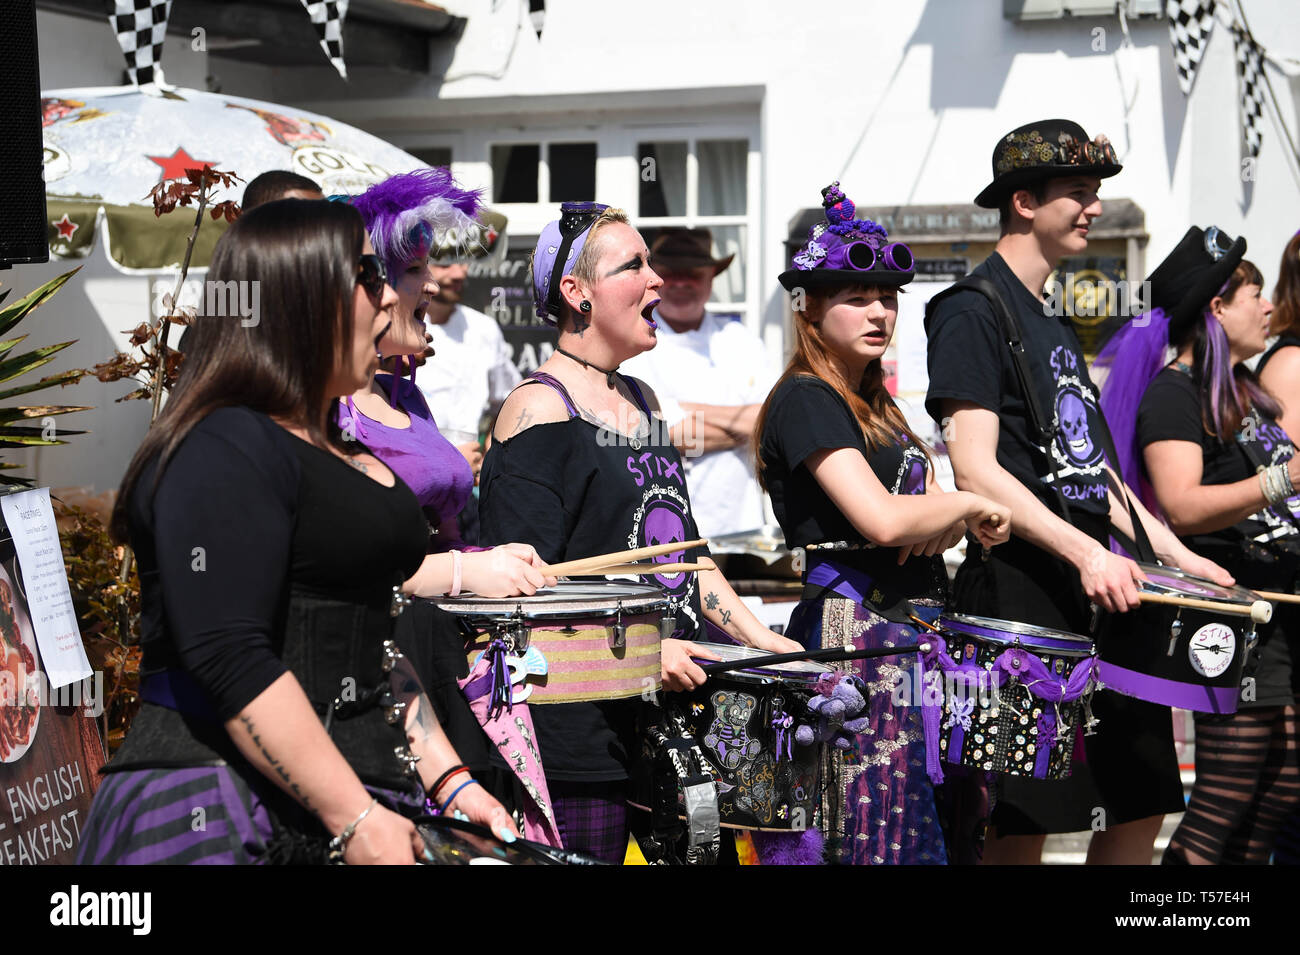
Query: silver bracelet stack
[[1276, 483]]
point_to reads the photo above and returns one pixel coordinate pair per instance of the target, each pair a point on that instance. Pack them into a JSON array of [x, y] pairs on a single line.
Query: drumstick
[[830, 653], [1261, 611], [651, 568], [1279, 597], [592, 565]]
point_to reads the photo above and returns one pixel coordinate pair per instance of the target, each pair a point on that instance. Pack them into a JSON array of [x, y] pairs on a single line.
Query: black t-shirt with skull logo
[[807, 415], [573, 489], [1171, 411], [969, 361]]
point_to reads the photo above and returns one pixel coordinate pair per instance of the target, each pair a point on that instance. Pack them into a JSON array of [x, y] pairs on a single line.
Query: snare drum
[[744, 722], [1013, 694], [1178, 656], [584, 641]]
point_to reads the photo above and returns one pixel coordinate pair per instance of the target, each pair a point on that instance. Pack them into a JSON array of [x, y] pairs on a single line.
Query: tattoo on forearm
[[726, 617], [420, 723], [711, 601], [276, 765]]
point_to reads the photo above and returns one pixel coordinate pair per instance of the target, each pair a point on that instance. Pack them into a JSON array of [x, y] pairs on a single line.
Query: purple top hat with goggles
[[845, 250], [557, 251]]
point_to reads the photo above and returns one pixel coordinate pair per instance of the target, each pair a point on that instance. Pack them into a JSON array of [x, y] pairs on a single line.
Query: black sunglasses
[[372, 276]]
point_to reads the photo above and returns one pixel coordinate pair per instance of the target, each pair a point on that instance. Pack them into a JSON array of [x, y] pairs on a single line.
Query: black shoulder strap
[[1011, 334]]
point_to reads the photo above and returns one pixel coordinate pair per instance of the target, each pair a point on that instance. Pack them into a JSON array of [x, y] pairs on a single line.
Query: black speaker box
[[23, 229]]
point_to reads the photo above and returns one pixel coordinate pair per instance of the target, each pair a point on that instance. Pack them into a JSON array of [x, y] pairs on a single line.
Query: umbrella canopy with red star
[[105, 149]]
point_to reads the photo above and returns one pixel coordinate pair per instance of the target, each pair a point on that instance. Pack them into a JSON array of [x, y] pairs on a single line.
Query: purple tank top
[[430, 465]]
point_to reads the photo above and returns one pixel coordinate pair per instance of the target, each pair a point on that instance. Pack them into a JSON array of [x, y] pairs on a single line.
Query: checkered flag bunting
[[141, 27], [1250, 75], [1190, 23], [328, 15]]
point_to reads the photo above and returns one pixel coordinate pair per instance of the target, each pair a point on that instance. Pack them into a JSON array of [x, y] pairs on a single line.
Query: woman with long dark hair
[[854, 487], [1204, 446], [279, 722]]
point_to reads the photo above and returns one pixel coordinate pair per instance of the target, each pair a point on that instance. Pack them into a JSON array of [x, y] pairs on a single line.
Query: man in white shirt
[[711, 375], [470, 373]]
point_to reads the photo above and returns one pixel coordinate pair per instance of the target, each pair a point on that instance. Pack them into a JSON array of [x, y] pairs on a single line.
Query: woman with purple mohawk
[[1200, 439], [408, 215]]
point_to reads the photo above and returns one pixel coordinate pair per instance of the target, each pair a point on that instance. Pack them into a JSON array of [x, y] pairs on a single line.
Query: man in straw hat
[[711, 374], [1022, 425]]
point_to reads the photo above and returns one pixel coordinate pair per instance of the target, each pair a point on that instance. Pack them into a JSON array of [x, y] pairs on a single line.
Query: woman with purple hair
[[406, 216], [1199, 438]]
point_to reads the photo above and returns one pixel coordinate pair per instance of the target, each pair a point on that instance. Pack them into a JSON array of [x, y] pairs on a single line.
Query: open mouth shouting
[[647, 314]]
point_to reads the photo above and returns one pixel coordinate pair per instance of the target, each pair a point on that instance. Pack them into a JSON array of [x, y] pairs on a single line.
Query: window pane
[[722, 176], [573, 171], [662, 168], [514, 172], [729, 286], [433, 155]]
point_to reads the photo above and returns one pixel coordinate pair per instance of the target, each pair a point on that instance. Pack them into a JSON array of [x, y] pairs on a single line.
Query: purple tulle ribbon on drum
[[501, 698], [782, 722]]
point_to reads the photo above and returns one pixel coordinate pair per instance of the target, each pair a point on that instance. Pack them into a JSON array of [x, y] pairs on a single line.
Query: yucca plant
[[12, 367]]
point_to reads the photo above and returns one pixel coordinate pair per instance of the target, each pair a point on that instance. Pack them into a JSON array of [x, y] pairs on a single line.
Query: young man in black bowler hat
[[1045, 456]]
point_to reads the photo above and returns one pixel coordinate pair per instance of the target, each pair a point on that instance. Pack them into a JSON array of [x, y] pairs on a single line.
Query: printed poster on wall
[[50, 749]]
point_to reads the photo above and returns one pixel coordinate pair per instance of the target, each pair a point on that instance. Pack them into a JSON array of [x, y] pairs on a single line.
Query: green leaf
[[15, 313], [5, 346], [62, 378], [39, 411], [13, 367]]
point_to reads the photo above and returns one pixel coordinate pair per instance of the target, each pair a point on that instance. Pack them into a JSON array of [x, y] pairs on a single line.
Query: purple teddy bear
[[837, 708]]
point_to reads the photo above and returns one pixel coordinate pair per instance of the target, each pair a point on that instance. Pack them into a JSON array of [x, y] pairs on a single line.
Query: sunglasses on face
[[372, 276]]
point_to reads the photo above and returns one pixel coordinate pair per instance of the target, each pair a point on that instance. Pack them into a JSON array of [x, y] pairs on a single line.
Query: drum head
[[798, 671], [1027, 635], [566, 599], [1171, 580]]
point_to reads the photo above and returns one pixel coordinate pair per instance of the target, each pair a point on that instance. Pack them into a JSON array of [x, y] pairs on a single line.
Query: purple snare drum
[[1013, 694]]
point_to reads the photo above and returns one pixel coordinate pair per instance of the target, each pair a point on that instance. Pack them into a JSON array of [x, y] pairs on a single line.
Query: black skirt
[[1130, 767]]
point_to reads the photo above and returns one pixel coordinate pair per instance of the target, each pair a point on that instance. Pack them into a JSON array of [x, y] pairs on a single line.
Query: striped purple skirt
[[205, 815]]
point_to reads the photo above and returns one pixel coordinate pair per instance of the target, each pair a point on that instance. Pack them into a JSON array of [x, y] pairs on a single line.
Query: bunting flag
[[1250, 75], [1190, 23], [141, 27], [328, 15]]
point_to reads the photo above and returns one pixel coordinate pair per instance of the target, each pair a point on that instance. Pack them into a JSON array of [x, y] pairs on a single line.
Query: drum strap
[[1140, 544], [680, 767]]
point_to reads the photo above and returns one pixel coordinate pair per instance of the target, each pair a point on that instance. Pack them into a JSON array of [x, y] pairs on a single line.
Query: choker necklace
[[611, 374]]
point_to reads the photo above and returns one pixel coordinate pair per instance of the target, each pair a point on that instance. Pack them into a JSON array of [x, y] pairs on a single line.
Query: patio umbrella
[[106, 148]]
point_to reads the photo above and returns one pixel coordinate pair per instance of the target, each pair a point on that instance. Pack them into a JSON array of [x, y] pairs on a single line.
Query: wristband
[[455, 793], [433, 790], [455, 574]]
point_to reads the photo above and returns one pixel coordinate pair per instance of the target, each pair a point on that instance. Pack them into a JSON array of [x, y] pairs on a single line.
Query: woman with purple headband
[[1198, 437], [404, 215], [582, 464], [851, 483]]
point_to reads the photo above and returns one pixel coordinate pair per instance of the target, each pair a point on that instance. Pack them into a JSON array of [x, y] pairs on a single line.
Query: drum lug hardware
[[515, 633], [618, 632], [667, 624], [1176, 626], [391, 655], [1089, 721], [1250, 638]]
